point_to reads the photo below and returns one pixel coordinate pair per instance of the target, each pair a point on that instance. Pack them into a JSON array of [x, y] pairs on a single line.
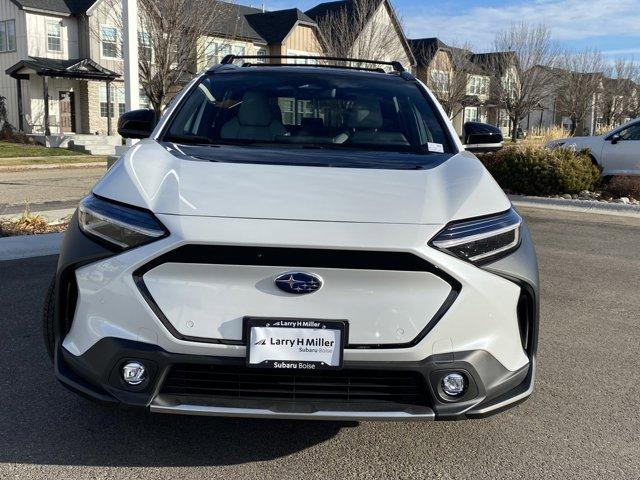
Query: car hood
[[576, 142], [219, 182]]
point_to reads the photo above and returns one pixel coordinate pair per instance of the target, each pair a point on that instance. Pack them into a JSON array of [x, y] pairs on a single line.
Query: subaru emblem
[[298, 283]]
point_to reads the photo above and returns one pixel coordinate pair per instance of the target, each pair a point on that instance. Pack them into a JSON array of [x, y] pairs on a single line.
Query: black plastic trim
[[298, 258], [94, 375]]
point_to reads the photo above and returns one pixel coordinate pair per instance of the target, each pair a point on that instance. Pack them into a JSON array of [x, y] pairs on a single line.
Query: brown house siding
[[303, 38]]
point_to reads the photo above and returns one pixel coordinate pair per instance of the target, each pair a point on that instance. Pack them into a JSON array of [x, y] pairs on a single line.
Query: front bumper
[[96, 375], [109, 321]]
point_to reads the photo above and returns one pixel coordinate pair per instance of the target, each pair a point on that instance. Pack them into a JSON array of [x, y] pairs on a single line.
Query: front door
[[623, 156], [67, 112]]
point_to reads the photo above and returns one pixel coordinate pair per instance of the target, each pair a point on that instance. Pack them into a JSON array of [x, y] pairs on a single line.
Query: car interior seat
[[256, 120]]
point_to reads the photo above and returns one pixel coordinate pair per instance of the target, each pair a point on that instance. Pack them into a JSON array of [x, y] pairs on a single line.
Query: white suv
[[296, 241]]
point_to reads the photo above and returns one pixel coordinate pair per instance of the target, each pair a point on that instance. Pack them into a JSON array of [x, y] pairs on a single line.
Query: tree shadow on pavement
[[43, 423]]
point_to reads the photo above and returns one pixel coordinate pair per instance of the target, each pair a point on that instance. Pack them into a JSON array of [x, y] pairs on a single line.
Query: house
[[465, 82], [63, 67], [46, 53], [371, 27], [252, 31], [606, 102]]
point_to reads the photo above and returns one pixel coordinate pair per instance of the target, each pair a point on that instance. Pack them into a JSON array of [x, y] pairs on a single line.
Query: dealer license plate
[[295, 344]]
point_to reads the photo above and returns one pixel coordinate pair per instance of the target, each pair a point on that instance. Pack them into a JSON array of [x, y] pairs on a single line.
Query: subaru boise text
[[296, 241]]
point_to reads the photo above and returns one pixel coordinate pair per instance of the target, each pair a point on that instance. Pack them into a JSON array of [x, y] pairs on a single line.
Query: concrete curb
[[51, 166], [583, 206], [27, 246]]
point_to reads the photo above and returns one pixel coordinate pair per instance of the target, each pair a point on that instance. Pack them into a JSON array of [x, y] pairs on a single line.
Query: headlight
[[481, 239], [121, 226]]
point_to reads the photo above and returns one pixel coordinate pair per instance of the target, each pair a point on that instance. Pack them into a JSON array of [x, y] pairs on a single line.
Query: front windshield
[[309, 110]]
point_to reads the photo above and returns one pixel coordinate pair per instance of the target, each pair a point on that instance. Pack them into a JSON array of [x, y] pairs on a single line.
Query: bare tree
[[633, 108], [579, 81], [616, 101], [173, 35], [359, 29], [445, 73], [518, 84]]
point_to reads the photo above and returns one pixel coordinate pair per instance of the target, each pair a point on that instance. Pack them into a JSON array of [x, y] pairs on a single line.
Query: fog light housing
[[134, 373], [454, 384]]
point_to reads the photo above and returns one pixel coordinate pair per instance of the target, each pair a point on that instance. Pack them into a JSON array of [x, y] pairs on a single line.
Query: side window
[[631, 133], [110, 38], [54, 37]]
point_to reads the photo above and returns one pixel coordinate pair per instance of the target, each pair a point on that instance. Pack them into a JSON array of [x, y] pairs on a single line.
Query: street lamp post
[[130, 42]]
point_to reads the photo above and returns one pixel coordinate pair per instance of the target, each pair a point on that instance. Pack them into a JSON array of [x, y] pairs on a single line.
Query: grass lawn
[[12, 150], [82, 158], [14, 154]]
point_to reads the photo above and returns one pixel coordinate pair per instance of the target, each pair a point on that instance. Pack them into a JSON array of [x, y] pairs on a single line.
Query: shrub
[[541, 171], [622, 187]]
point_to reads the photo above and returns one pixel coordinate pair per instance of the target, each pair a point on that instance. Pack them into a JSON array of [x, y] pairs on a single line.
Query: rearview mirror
[[615, 139], [137, 123]]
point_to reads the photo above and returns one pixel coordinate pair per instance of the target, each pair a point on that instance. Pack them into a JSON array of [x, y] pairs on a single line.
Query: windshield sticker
[[435, 147]]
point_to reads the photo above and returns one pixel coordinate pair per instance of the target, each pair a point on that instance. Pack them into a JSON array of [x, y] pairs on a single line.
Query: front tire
[[48, 320]]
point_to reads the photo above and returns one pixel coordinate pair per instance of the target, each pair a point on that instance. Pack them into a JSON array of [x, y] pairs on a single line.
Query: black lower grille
[[239, 382]]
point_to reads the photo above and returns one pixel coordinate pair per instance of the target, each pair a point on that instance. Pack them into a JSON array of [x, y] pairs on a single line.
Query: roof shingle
[[274, 27], [67, 7]]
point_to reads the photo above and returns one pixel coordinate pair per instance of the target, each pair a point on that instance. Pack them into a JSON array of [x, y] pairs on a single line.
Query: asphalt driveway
[[583, 420]]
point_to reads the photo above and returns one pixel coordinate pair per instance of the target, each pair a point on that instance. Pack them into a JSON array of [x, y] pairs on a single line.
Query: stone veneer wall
[[91, 120]]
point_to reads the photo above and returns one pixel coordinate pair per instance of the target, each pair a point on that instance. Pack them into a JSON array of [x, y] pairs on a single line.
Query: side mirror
[[481, 137], [137, 123], [615, 139]]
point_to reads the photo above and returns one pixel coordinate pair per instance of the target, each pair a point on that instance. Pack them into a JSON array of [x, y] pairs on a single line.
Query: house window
[[302, 61], [54, 37], [7, 36], [509, 85], [144, 100], [287, 105], [117, 100], [237, 50], [440, 81], [144, 45], [478, 85], [104, 112], [503, 119], [305, 110], [215, 52], [293, 111], [110, 41], [262, 52], [471, 114]]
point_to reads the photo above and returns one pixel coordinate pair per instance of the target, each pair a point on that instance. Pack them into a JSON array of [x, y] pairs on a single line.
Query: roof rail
[[229, 59]]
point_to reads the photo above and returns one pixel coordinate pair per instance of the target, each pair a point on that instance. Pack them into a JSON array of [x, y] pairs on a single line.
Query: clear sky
[[612, 26]]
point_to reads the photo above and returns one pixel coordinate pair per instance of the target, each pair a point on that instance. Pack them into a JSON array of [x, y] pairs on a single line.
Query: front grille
[[239, 382]]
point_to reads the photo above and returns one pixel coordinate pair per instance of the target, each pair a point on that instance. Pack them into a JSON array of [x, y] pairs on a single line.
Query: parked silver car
[[616, 152]]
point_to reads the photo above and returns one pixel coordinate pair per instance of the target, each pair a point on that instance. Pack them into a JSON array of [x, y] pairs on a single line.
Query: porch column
[[45, 91], [20, 114], [108, 107]]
